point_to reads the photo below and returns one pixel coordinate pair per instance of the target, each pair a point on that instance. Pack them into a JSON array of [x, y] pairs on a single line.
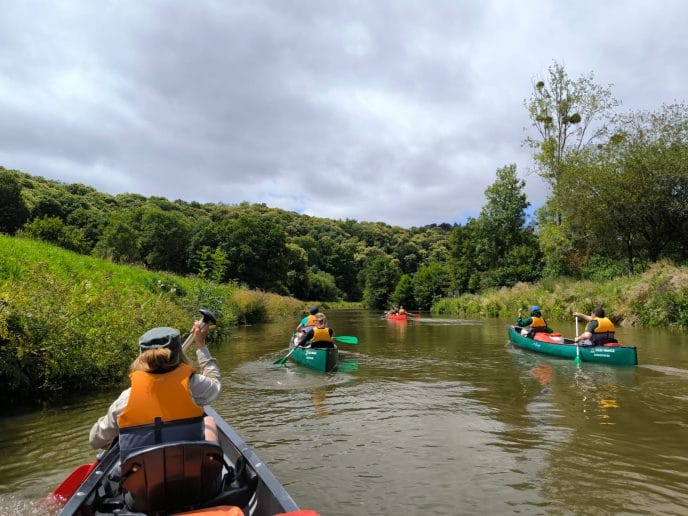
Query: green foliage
[[657, 297], [69, 322], [403, 293], [13, 210], [321, 285], [53, 230], [496, 249], [430, 283], [381, 274], [566, 116]]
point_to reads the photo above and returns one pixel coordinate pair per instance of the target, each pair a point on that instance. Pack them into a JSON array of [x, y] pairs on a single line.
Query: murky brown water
[[441, 417]]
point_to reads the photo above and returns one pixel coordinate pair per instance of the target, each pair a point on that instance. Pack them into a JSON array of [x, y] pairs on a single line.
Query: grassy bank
[[69, 322], [656, 298]]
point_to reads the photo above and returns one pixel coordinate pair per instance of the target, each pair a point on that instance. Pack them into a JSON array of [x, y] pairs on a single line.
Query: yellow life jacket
[[604, 325], [321, 335], [160, 409]]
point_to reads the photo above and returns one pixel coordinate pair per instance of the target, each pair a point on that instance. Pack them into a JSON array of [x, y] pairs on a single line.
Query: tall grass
[[70, 322], [657, 297]]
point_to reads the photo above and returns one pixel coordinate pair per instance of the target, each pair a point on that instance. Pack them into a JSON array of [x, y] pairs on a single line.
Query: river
[[441, 416]]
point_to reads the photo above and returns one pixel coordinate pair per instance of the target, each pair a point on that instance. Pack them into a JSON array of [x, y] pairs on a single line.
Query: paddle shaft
[[208, 317], [577, 359]]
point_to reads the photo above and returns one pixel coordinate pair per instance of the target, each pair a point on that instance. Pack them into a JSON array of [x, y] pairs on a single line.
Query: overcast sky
[[374, 110]]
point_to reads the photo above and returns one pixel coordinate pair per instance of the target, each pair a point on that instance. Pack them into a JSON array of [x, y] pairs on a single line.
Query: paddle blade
[[281, 361], [347, 366], [346, 339], [69, 485]]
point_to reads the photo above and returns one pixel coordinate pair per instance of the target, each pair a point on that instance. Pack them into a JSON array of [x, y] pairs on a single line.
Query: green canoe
[[619, 355], [321, 359]]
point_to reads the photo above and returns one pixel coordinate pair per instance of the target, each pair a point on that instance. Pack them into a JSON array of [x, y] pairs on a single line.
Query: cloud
[[380, 111]]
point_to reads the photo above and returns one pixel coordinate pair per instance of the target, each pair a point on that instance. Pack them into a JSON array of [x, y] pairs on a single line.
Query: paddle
[[283, 360], [208, 317], [577, 360], [346, 339], [70, 484]]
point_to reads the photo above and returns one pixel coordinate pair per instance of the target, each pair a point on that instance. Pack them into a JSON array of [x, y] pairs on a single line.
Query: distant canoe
[[555, 345], [320, 359], [396, 317]]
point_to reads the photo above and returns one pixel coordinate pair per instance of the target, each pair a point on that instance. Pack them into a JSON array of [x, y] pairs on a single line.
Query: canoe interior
[[255, 489]]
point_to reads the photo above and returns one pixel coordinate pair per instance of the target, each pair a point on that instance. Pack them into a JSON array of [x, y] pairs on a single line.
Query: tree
[[403, 292], [381, 274], [568, 115], [297, 271], [164, 238], [629, 198], [120, 240], [430, 283], [497, 249], [13, 210], [53, 230], [256, 251]]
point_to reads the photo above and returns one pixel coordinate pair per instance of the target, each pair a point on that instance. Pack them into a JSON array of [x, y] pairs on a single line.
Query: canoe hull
[[320, 359], [266, 495], [397, 317], [621, 355]]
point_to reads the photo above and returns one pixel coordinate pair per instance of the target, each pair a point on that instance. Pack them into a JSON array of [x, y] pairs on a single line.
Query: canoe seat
[[173, 476]]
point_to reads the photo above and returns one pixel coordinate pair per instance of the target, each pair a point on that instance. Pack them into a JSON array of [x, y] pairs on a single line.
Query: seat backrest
[[172, 476]]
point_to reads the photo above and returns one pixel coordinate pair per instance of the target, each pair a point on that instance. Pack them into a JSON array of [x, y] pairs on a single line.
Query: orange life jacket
[[310, 321], [160, 409], [538, 323]]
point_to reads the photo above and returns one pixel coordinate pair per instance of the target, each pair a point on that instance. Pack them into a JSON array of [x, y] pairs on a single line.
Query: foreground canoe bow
[[170, 472], [567, 348]]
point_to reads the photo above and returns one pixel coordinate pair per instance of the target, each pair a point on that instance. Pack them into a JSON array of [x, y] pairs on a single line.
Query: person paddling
[[534, 323], [600, 329], [166, 398], [320, 336]]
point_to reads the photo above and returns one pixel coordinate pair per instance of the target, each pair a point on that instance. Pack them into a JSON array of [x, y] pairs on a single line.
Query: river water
[[440, 416]]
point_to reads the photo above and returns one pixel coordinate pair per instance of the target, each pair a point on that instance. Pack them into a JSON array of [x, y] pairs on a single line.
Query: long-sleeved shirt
[[205, 388]]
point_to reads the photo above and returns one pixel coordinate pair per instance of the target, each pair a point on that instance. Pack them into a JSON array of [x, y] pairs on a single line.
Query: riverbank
[[655, 298], [69, 322]]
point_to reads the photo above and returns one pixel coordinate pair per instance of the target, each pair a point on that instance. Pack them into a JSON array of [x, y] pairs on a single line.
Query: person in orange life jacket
[[166, 398], [402, 310], [309, 320], [534, 323], [599, 330], [320, 336]]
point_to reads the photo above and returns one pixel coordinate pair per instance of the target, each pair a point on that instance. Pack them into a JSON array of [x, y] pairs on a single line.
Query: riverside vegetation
[[69, 322]]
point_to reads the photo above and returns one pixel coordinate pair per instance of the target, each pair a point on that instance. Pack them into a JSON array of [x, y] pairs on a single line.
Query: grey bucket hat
[[162, 337]]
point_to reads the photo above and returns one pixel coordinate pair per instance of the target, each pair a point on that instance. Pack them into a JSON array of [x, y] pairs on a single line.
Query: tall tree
[[567, 115]]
